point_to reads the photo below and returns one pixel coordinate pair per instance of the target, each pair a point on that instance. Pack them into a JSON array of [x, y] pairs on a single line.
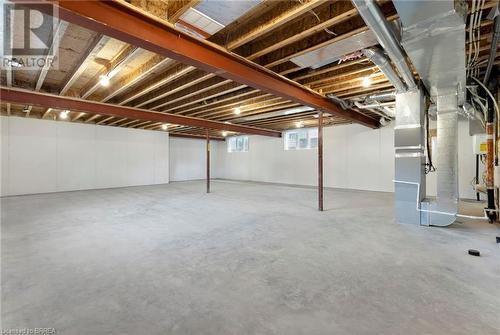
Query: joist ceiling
[[270, 34]]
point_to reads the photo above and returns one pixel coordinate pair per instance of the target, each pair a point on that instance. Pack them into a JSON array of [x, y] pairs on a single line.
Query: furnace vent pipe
[[493, 50], [378, 58], [375, 20]]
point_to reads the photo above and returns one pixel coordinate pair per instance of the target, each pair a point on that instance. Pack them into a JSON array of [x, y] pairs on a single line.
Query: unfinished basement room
[[250, 167]]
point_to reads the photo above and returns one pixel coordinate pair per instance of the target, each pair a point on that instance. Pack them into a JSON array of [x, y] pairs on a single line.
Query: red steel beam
[[26, 97], [195, 136], [127, 23]]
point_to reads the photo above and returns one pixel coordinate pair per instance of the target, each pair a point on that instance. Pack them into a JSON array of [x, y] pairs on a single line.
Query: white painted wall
[[187, 159], [40, 156], [355, 157]]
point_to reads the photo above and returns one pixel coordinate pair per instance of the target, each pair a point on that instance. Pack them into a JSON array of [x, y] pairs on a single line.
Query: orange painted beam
[[127, 23], [27, 97]]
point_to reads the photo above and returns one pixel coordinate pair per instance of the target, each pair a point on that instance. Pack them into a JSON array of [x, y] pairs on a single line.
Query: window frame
[[245, 144], [310, 133]]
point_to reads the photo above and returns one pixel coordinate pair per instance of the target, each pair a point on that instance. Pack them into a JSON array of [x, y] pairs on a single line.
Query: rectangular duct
[[433, 36], [409, 156]]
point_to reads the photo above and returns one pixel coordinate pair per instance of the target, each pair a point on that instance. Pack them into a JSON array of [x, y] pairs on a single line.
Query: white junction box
[[479, 144]]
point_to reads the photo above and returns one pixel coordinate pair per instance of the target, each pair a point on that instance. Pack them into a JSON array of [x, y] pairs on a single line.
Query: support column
[[208, 161], [320, 161]]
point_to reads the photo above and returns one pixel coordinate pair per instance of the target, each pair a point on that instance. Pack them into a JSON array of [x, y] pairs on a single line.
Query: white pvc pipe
[[485, 217]]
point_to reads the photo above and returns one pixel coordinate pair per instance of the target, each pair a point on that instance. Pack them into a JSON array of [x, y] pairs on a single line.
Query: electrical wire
[[319, 20], [429, 167]]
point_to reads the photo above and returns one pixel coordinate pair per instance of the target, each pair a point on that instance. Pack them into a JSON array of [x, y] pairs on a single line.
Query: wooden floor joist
[[124, 22]]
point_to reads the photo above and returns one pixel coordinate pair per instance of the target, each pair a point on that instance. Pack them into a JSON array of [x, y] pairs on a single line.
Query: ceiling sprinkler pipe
[[378, 58], [375, 20]]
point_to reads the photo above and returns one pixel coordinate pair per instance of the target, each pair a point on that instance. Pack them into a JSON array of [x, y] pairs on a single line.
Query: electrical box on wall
[[479, 144]]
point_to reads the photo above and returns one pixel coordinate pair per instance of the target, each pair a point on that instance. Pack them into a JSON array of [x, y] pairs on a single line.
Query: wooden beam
[[274, 23], [131, 25], [20, 96], [168, 76], [182, 9], [139, 74], [306, 33], [97, 43], [181, 84], [112, 69], [58, 34]]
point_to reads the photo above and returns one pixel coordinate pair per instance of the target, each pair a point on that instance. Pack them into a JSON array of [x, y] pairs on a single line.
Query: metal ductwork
[[375, 20], [433, 36], [378, 58], [384, 96], [493, 50]]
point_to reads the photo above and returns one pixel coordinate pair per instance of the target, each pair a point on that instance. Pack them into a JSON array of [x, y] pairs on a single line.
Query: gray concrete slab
[[246, 259]]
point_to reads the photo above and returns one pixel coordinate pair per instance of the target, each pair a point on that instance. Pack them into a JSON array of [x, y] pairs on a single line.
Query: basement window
[[304, 138], [237, 144]]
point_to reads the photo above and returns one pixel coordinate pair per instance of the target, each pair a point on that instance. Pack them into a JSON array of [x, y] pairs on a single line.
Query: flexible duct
[[378, 58], [375, 20], [384, 96], [493, 50]]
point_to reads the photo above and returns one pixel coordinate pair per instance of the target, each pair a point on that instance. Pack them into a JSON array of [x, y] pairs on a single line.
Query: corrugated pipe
[[375, 20], [378, 58], [493, 50]]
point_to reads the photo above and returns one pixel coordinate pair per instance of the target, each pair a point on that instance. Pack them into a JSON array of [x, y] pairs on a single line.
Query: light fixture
[[237, 111], [224, 133], [104, 80], [64, 114], [299, 124], [227, 122], [164, 126], [367, 82]]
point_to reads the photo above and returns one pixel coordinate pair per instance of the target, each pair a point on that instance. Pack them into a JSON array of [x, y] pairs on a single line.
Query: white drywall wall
[[187, 158], [355, 157], [41, 156]]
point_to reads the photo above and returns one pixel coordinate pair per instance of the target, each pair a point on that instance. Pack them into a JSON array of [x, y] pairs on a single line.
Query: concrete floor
[[246, 259]]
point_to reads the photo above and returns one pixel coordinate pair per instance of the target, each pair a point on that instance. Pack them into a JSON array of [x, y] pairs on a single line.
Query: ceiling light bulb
[[64, 114], [104, 80], [299, 124], [164, 126], [367, 81], [224, 133], [237, 111]]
